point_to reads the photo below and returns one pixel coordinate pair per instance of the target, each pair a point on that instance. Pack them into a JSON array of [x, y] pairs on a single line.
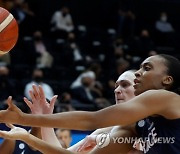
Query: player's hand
[[39, 104], [11, 115], [16, 133], [88, 144]]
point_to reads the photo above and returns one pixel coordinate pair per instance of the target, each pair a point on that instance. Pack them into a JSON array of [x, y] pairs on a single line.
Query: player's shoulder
[[160, 92], [159, 96]]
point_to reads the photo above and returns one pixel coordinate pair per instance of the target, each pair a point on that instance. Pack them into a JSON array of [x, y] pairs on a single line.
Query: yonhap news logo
[[103, 140]]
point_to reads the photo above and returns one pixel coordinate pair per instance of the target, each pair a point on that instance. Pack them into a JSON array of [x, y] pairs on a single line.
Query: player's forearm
[[36, 131], [7, 146], [49, 136], [102, 130], [75, 147], [42, 146], [78, 120]]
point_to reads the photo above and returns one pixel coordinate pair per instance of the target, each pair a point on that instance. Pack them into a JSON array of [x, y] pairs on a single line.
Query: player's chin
[[119, 101], [138, 91]]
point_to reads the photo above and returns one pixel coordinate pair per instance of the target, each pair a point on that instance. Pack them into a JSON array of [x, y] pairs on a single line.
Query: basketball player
[[157, 103], [124, 91]]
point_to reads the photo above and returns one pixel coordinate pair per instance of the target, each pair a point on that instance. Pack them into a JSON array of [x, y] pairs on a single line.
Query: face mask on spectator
[[164, 18], [38, 79]]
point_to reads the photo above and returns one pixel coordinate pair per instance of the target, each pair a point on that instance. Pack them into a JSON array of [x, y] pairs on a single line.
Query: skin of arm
[[8, 146], [36, 131], [115, 147], [43, 146], [34, 142], [17, 133], [46, 148], [48, 133], [44, 107], [49, 136], [89, 140], [102, 130], [7, 143], [152, 102]]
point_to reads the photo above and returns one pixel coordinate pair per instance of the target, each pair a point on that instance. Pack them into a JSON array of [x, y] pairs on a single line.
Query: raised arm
[[149, 103], [43, 107]]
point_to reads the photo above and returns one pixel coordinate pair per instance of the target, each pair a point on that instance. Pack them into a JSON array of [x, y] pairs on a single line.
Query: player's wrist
[[26, 137], [35, 112]]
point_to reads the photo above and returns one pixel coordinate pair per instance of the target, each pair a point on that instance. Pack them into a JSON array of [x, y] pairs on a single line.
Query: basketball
[[8, 31]]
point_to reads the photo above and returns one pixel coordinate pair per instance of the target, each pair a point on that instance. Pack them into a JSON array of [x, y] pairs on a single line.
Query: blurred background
[[77, 49]]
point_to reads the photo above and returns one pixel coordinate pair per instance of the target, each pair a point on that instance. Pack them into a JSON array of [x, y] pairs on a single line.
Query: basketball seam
[[3, 52], [6, 22]]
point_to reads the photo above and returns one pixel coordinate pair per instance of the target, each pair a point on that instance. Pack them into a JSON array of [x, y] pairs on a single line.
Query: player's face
[[124, 89], [150, 75], [65, 136]]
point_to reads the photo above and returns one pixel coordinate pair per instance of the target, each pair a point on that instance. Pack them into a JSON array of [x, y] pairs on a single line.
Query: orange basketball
[[8, 31]]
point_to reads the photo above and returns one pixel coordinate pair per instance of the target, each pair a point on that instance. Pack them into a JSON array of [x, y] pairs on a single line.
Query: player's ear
[[167, 80]]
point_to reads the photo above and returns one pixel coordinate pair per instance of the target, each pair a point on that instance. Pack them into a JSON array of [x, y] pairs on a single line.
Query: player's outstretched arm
[[17, 133], [149, 103]]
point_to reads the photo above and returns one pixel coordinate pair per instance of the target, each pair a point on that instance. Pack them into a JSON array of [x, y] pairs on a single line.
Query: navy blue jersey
[[159, 135], [23, 148]]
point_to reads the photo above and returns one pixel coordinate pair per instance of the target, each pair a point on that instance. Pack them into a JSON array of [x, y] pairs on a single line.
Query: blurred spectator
[[71, 38], [140, 46], [88, 94], [7, 85], [45, 59], [94, 70], [78, 81], [119, 44], [65, 103], [5, 59], [121, 66], [62, 23], [119, 49], [74, 55], [21, 10], [165, 32], [7, 4], [145, 44], [37, 79], [119, 52], [24, 16], [152, 53], [126, 23], [64, 135], [163, 25], [37, 51]]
